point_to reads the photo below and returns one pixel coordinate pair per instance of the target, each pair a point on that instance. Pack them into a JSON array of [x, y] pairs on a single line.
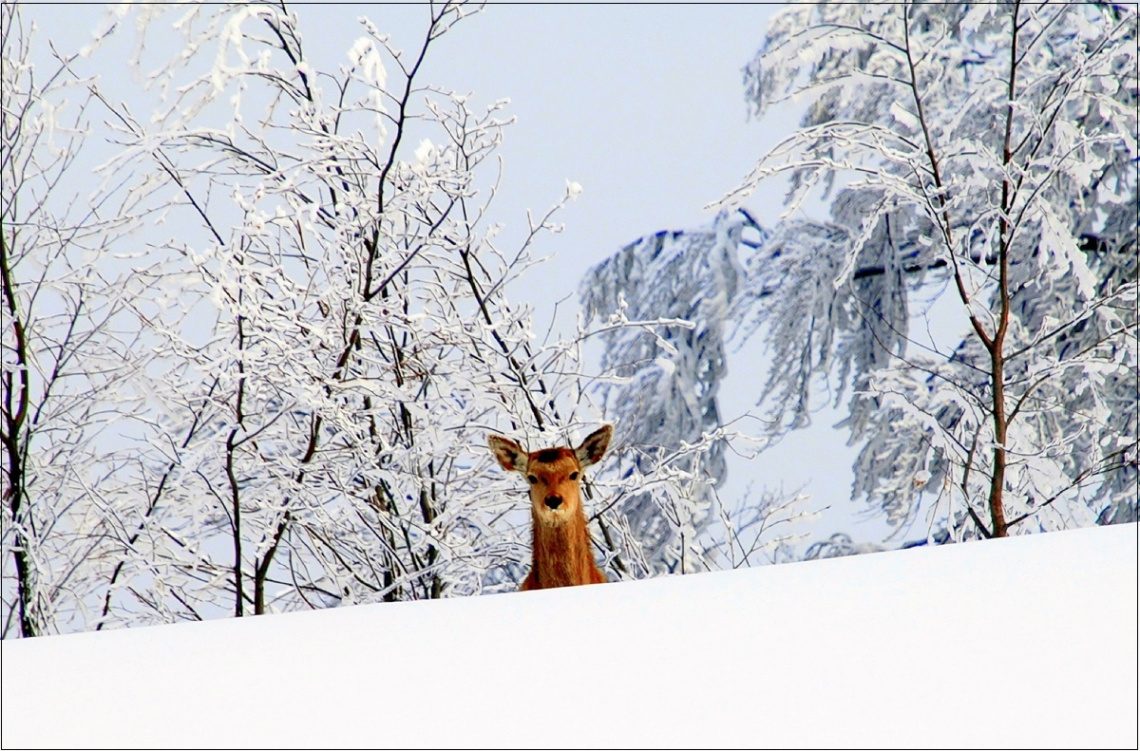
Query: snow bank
[[1024, 642]]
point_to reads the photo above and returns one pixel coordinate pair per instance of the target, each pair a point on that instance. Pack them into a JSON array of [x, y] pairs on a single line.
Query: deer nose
[[553, 501]]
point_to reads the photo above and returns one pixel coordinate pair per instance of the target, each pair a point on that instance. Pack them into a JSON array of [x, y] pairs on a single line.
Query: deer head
[[554, 475]]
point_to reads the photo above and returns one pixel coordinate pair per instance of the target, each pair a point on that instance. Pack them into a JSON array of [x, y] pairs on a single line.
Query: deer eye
[[573, 475], [532, 479]]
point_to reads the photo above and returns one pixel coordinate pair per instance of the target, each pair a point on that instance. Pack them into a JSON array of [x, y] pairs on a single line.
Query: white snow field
[[1024, 642]]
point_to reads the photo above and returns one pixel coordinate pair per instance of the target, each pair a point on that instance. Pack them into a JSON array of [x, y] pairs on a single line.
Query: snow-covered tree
[[321, 438], [70, 345], [983, 158], [664, 398], [254, 366]]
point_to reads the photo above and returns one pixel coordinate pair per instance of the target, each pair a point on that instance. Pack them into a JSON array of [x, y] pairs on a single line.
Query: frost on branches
[[275, 392], [266, 383], [985, 162], [355, 348], [663, 394], [71, 349]]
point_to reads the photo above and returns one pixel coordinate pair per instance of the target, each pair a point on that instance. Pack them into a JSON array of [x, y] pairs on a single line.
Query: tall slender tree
[[981, 166], [70, 343]]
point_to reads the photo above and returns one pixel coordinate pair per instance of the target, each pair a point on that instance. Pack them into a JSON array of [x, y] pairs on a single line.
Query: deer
[[561, 544]]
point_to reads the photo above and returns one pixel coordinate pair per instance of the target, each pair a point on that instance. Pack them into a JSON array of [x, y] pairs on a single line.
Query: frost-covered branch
[[977, 155], [1002, 136]]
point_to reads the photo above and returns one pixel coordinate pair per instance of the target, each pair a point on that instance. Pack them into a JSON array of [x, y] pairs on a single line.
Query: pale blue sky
[[644, 107]]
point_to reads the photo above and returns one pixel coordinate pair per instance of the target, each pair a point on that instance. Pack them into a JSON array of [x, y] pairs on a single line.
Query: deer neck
[[562, 556]]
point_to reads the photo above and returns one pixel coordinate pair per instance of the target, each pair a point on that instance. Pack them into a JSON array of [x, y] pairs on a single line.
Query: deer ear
[[595, 445], [509, 454]]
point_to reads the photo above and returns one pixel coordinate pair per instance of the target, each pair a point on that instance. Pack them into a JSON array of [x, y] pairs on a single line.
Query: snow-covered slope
[[1023, 642]]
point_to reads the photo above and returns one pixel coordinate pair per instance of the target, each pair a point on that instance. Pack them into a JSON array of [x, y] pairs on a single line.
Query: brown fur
[[561, 542]]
